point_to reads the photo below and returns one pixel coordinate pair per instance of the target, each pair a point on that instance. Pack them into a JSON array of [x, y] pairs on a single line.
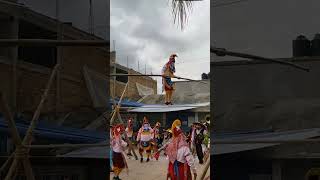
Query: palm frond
[[180, 10]]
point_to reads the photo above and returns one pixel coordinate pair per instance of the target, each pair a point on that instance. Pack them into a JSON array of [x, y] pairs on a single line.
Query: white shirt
[[118, 145], [129, 133], [184, 154], [145, 136]]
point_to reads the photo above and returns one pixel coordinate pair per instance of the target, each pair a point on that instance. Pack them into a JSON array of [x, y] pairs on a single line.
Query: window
[[44, 56], [123, 79]]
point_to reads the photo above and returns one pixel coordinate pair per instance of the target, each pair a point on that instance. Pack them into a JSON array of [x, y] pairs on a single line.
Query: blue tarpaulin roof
[[127, 103], [67, 134]]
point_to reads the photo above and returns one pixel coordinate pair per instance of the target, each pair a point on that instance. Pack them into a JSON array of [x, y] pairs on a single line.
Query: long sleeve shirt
[[184, 155], [129, 132], [118, 145]]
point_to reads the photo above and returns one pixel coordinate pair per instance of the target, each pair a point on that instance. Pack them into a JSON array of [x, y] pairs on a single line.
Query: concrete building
[[254, 100], [191, 103], [25, 70], [79, 95], [138, 86]]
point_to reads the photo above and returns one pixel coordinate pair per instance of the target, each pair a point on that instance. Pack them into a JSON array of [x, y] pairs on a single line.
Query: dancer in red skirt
[[117, 144], [181, 162]]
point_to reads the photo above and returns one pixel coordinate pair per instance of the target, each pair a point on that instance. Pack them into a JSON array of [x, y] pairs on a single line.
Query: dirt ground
[[152, 170]]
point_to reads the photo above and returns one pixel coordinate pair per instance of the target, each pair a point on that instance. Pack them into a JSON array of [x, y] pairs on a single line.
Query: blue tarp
[[66, 134]]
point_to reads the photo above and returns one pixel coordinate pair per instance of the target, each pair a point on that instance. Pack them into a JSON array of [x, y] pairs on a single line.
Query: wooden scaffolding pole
[[116, 112], [51, 43], [21, 153], [205, 170], [117, 107]]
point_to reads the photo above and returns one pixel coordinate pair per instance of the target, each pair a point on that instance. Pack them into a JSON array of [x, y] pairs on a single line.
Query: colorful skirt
[[179, 171], [117, 160], [145, 146], [168, 84]]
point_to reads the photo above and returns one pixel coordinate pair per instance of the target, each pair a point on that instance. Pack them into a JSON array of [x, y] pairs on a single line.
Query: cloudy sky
[[263, 27], [144, 31]]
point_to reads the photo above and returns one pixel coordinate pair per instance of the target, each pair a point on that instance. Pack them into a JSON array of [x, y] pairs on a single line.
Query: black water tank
[[315, 45], [301, 47]]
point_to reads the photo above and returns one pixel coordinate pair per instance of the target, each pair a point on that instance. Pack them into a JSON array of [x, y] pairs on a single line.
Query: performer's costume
[[181, 162], [117, 145], [199, 137], [156, 138], [167, 72], [192, 139], [145, 136], [129, 132]]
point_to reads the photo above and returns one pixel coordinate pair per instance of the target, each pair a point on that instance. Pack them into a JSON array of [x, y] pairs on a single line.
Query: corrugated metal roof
[[187, 92], [219, 149], [92, 153], [170, 108]]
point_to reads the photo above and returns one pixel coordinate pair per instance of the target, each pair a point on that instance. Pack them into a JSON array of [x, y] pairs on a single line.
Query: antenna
[[114, 45], [91, 18], [128, 62]]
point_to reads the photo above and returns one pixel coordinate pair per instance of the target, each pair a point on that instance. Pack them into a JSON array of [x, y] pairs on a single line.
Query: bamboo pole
[[157, 75], [5, 164], [51, 43], [118, 105], [27, 138], [128, 140], [19, 153], [224, 52], [12, 169], [205, 170], [59, 58], [9, 118]]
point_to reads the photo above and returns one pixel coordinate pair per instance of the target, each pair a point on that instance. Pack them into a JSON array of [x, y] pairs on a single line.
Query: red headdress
[[118, 129], [178, 141]]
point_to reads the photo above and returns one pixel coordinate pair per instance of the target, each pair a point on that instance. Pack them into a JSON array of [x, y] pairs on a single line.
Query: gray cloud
[[262, 27], [143, 31], [146, 32]]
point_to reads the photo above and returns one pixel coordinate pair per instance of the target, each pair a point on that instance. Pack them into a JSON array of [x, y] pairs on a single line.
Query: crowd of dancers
[[178, 146]]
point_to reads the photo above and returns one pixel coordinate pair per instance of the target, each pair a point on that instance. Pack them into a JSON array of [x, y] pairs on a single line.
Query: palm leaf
[[180, 10]]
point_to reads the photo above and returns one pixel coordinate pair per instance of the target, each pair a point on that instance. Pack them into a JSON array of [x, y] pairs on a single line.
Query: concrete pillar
[[276, 170]]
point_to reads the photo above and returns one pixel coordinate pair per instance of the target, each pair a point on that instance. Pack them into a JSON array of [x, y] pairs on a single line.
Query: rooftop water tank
[[301, 46]]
